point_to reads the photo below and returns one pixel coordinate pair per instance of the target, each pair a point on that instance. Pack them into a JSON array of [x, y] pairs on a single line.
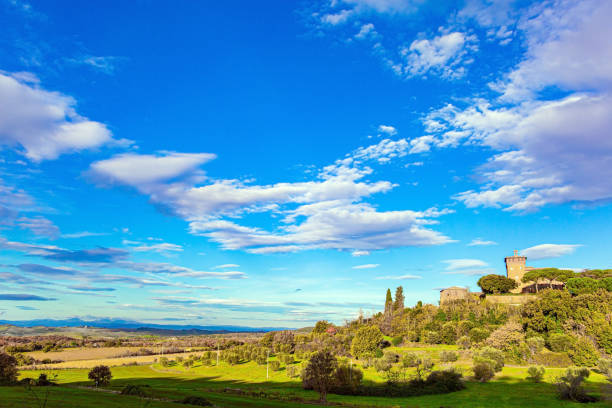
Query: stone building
[[516, 269], [453, 293]]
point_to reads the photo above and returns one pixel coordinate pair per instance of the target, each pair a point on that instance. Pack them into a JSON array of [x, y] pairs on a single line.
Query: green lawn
[[508, 389]]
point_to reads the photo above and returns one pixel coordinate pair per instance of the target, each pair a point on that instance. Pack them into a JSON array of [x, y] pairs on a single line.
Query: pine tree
[[388, 302], [399, 299]]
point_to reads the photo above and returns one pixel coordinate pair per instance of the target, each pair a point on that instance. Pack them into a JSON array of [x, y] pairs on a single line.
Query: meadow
[[247, 385]]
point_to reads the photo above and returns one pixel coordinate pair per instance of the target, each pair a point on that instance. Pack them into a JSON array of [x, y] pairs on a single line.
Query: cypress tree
[[399, 299], [388, 301]]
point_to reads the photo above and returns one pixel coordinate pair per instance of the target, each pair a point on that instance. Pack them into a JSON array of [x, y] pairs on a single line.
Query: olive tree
[[319, 373]]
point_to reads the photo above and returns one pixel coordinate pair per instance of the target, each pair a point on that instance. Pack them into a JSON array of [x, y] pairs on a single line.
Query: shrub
[[550, 359], [604, 366], [491, 356], [137, 390], [163, 361], [347, 378], [44, 381], [464, 342], [286, 359], [366, 342], [274, 365], [382, 365], [583, 353], [197, 401], [430, 337], [292, 371], [477, 334], [445, 381], [100, 375], [397, 340], [8, 369], [559, 342], [570, 385], [448, 356], [391, 357], [410, 360], [535, 373], [483, 371], [535, 344]]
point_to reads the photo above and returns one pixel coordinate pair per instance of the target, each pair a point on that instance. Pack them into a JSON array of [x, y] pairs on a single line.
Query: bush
[[477, 335], [292, 371], [583, 353], [570, 385], [464, 342], [445, 381], [137, 390], [410, 360], [559, 342], [535, 373], [366, 342], [448, 356], [286, 359], [274, 365], [8, 369], [100, 375], [44, 381], [163, 361], [535, 344], [604, 366], [382, 365], [391, 357], [483, 371], [198, 401], [397, 340], [347, 378], [491, 356], [550, 359], [430, 337]]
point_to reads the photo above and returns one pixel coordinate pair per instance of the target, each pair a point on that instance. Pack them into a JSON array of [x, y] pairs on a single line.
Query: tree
[[399, 299], [491, 284], [388, 302], [548, 275], [366, 342], [319, 373], [570, 385], [100, 375], [321, 327], [8, 369]]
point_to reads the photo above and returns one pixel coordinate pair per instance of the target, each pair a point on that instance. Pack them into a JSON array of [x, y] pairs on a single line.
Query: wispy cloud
[[23, 297], [481, 242], [546, 251], [398, 277], [366, 266]]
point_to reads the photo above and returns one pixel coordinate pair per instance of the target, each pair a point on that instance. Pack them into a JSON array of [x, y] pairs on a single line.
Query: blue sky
[[285, 162]]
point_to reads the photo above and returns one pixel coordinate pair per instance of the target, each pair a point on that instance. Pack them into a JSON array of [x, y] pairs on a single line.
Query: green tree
[[492, 284], [321, 327], [547, 275], [399, 299], [319, 373], [8, 369], [583, 353], [366, 342], [388, 302], [100, 375]]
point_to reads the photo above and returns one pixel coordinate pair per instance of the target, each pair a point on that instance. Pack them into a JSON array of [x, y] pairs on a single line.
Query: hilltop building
[[454, 293]]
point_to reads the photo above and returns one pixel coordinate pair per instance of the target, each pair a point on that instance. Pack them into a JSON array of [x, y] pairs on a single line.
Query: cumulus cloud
[[44, 124], [549, 150], [445, 55], [398, 277], [389, 130], [323, 213], [546, 251]]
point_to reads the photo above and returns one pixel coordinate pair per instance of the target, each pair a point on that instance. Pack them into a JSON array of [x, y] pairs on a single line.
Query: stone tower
[[515, 269]]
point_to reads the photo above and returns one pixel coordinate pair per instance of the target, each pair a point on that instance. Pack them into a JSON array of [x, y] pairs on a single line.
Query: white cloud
[[399, 277], [106, 65], [224, 266], [444, 55], [45, 124], [360, 253], [366, 266], [39, 226], [455, 264], [83, 234], [545, 251], [471, 272], [389, 130], [481, 242], [161, 248], [549, 150]]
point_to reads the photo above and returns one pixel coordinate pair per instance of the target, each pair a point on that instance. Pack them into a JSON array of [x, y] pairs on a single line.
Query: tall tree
[[399, 299], [388, 302]]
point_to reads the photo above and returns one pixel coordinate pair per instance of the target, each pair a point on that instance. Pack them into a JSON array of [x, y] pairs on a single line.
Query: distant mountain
[[109, 323]]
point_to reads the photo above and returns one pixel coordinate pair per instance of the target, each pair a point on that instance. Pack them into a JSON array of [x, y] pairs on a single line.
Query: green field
[[508, 389]]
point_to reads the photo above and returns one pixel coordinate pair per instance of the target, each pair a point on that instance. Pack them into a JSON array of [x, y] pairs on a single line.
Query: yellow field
[[111, 362]]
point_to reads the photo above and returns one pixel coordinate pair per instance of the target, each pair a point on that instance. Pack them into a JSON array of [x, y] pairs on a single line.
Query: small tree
[[399, 299], [319, 373], [491, 356], [535, 373], [491, 284], [583, 353], [366, 342], [483, 371], [570, 385], [8, 369], [100, 375], [388, 302], [321, 327]]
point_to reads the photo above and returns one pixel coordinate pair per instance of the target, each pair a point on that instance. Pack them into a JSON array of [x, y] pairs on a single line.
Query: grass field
[[509, 389]]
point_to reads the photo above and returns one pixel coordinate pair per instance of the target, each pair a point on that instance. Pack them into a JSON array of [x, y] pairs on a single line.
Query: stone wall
[[510, 299]]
